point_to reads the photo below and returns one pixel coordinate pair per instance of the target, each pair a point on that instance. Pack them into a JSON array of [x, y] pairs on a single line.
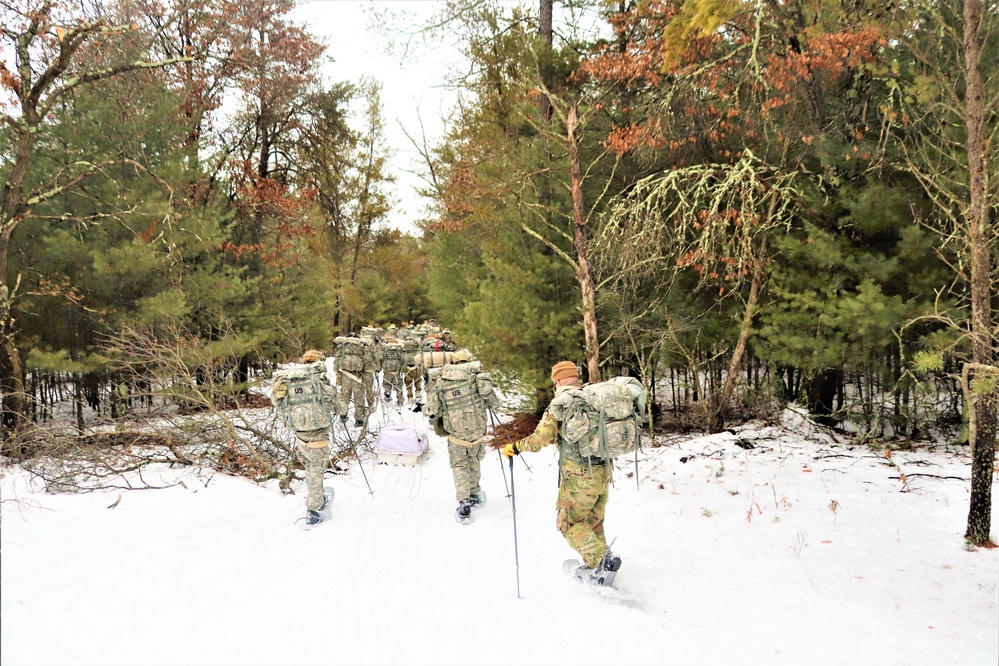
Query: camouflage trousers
[[393, 381], [581, 505], [413, 382], [466, 468], [315, 455], [358, 392]]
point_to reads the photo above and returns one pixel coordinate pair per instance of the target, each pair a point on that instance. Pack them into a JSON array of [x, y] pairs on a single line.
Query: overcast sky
[[412, 90]]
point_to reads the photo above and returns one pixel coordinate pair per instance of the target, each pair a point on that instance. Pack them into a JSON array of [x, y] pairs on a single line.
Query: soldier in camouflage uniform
[[458, 409], [393, 365], [412, 373], [583, 484], [447, 343], [356, 377], [312, 446]]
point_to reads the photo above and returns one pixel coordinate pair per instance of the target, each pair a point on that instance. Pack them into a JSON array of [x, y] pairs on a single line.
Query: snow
[[800, 550]]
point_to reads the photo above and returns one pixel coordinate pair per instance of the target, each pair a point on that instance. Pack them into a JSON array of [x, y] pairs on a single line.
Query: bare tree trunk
[[985, 403], [721, 406], [581, 243]]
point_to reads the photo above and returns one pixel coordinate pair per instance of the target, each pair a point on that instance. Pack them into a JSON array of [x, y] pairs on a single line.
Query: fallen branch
[[931, 476]]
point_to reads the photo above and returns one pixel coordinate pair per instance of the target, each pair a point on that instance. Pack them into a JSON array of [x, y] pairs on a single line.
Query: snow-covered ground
[[799, 550]]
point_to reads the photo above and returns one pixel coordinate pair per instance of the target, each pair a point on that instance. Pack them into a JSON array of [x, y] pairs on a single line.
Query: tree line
[[184, 166], [744, 204], [787, 200]]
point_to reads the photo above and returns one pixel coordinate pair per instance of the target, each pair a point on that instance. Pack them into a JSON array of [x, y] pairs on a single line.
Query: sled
[[401, 444]]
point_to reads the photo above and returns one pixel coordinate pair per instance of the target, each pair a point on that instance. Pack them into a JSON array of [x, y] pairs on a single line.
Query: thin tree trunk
[[581, 243], [986, 401]]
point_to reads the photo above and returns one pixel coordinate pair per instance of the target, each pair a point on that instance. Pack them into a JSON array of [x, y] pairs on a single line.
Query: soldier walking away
[[584, 481], [304, 398], [447, 343], [393, 367], [412, 373], [356, 365], [457, 406]]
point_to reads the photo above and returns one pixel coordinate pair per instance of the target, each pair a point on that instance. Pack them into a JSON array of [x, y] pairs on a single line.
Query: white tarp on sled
[[401, 444]]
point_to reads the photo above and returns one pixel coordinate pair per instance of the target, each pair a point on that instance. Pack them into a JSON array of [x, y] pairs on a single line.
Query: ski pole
[[359, 464], [638, 484], [503, 470], [495, 421], [516, 550], [500, 453]]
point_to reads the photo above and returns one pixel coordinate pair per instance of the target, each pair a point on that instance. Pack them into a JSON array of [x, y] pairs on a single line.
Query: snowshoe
[[600, 583], [463, 514], [599, 576], [610, 562], [311, 520], [576, 569], [328, 495], [477, 499]]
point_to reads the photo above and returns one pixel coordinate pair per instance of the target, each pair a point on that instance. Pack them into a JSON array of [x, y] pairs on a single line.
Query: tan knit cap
[[312, 355], [564, 370]]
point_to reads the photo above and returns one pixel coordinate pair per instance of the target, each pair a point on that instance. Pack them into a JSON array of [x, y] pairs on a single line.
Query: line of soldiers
[[460, 406], [403, 355]]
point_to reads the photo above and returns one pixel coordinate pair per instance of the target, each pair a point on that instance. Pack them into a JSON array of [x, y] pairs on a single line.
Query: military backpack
[[460, 398], [305, 405], [602, 420], [350, 354], [392, 357]]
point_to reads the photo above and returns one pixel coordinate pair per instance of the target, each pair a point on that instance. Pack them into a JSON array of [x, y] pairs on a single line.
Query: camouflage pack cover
[[307, 402], [460, 399], [350, 354], [410, 345], [602, 420], [392, 357], [459, 371]]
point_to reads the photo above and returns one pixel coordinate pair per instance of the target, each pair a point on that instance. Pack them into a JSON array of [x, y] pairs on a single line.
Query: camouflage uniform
[[393, 368], [466, 468], [352, 385], [358, 386], [312, 446], [372, 364], [412, 382], [447, 344], [315, 456], [465, 429], [582, 492]]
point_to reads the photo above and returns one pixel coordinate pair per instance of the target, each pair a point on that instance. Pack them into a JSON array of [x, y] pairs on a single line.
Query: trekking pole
[[496, 420], [516, 550], [638, 483], [500, 453], [359, 464]]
